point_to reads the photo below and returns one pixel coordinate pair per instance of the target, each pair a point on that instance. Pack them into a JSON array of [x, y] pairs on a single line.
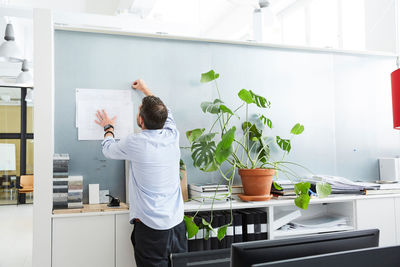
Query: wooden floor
[[16, 235]]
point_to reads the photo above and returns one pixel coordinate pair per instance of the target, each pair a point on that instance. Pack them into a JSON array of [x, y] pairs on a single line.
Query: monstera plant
[[246, 148]]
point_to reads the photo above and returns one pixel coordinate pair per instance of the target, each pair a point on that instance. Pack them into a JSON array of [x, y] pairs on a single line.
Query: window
[[16, 141]]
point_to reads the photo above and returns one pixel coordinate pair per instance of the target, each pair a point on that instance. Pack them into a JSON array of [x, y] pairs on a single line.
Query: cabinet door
[[84, 241], [123, 246], [397, 212], [378, 213]]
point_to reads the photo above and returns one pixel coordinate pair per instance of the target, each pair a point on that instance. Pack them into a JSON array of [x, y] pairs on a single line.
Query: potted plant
[[247, 150]]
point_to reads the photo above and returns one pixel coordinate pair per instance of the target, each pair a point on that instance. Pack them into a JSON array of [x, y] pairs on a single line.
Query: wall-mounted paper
[[114, 102], [7, 157]]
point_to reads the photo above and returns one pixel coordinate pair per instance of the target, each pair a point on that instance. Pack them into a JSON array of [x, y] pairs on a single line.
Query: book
[[208, 187]]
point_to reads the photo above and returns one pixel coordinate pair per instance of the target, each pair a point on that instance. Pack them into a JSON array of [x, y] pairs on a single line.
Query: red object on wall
[[396, 98]]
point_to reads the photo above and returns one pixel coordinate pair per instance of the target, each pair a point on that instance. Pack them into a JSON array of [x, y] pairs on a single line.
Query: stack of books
[[283, 189], [67, 190], [209, 193], [75, 192], [60, 181], [247, 225]]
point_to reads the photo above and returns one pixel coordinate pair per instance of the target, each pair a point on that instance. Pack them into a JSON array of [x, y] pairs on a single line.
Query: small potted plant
[[247, 150]]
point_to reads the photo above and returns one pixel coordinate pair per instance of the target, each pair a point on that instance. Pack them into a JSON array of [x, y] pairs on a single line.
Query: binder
[[191, 241], [198, 244], [206, 242], [257, 224], [229, 231], [237, 227], [221, 222], [248, 225], [264, 224], [213, 234]]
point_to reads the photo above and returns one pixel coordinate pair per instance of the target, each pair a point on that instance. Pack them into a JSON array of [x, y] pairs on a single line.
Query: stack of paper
[[319, 222], [341, 185], [209, 193], [115, 102]]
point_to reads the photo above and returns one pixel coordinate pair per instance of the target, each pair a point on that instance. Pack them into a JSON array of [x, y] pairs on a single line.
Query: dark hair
[[153, 112]]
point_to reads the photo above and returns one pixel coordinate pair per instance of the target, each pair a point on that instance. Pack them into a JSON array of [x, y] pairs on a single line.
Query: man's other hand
[[141, 86], [103, 118]]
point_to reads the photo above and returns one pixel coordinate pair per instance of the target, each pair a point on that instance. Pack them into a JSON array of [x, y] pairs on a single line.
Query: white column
[[43, 134]]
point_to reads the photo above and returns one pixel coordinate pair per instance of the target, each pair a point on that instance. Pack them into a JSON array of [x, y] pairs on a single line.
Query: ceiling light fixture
[[9, 50]]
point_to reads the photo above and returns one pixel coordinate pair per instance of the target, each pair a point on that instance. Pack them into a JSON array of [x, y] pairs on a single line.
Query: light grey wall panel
[[343, 101]]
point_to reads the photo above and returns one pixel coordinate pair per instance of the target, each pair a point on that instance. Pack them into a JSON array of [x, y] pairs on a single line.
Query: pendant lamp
[[25, 75], [395, 77], [9, 49]]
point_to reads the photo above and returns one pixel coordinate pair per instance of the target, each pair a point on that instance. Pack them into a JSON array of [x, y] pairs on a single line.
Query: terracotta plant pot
[[256, 182]]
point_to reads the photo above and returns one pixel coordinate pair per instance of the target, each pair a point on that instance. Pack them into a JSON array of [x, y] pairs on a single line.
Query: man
[[156, 203]]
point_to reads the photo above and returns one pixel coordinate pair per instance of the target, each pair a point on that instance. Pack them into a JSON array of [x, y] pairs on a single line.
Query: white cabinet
[[378, 213], [87, 241], [123, 245]]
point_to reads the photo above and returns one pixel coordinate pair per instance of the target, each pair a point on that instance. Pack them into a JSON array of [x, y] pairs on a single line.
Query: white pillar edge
[[43, 42]]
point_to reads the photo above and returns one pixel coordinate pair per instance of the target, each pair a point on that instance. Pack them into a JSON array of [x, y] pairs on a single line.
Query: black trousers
[[153, 247]]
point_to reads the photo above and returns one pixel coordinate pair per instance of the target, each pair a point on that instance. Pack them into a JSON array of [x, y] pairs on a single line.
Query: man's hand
[[103, 118], [141, 86]]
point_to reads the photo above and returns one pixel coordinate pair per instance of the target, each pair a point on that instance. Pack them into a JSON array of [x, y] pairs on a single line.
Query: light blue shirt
[[154, 185]]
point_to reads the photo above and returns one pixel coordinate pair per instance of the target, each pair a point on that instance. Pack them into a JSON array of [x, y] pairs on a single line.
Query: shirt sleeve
[[170, 122], [115, 150]]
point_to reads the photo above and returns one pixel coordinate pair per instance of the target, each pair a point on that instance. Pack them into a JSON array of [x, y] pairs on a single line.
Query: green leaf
[[277, 186], [222, 232], [194, 134], [323, 189], [302, 188], [206, 137], [260, 101], [266, 121], [264, 154], [254, 132], [211, 107], [302, 201], [224, 147], [225, 109], [191, 227], [284, 144], [209, 76], [246, 96], [297, 129], [203, 154]]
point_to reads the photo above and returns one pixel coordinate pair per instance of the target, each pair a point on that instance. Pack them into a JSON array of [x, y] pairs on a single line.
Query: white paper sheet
[[114, 102], [7, 157]]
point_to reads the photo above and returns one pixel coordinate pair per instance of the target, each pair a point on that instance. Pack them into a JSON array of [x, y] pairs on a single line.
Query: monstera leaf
[[254, 133], [297, 129], [284, 144], [224, 147], [266, 121], [211, 107], [194, 134], [209, 76], [249, 97], [203, 155]]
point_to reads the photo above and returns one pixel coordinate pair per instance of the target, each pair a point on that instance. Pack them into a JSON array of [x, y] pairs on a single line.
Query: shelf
[[297, 232]]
